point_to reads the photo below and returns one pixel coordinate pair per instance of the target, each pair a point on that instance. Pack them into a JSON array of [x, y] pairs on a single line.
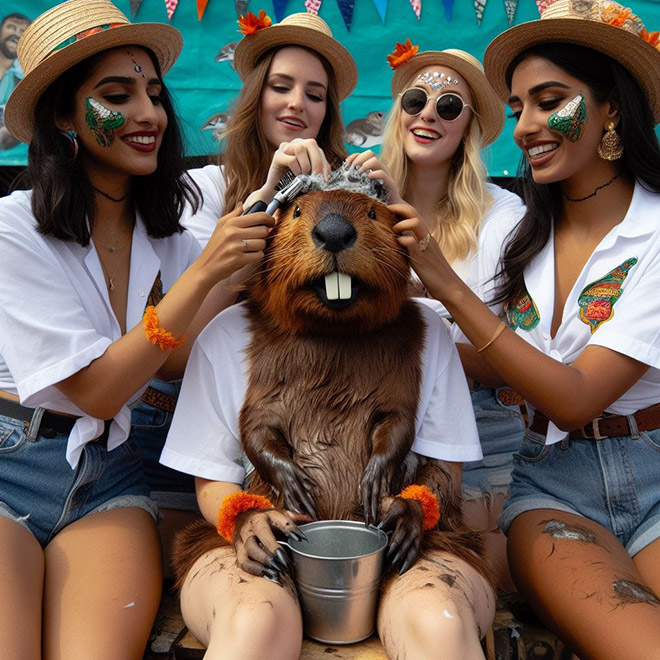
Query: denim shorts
[[40, 490], [614, 482], [149, 427], [500, 428]]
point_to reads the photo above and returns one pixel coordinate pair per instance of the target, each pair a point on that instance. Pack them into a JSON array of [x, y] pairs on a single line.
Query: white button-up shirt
[[615, 301], [55, 313]]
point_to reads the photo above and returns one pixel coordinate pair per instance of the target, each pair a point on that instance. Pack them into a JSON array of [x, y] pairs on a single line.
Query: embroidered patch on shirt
[[597, 300], [522, 313]]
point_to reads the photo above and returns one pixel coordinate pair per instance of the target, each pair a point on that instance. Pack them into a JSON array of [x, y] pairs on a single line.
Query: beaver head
[[333, 264]]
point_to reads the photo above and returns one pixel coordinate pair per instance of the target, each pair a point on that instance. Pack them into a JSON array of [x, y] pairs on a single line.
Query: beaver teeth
[[338, 286]]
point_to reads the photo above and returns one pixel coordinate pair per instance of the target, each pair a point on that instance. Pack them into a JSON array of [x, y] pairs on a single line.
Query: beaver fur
[[333, 384]]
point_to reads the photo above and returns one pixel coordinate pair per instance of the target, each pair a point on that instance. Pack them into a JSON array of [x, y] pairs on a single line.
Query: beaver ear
[[372, 212]]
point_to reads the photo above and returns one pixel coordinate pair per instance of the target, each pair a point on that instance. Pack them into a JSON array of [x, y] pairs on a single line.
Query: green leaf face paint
[[570, 119], [102, 121]]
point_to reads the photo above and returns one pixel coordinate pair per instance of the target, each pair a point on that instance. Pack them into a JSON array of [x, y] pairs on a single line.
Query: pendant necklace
[[111, 285]]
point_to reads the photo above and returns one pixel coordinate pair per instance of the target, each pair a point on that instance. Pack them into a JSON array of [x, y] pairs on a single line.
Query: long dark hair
[[62, 195], [607, 80]]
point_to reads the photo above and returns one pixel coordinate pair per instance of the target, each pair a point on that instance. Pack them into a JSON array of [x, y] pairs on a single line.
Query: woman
[[294, 76], [431, 154], [87, 256], [577, 291]]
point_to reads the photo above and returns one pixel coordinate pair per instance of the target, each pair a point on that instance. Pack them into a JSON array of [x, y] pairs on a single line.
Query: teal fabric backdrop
[[204, 83]]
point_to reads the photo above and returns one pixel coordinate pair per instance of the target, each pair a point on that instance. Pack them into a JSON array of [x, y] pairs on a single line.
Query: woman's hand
[[255, 543], [368, 162], [237, 241], [300, 156], [426, 258], [404, 518]]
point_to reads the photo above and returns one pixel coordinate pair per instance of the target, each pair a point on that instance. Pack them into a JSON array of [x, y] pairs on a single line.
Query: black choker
[[112, 199], [593, 194]]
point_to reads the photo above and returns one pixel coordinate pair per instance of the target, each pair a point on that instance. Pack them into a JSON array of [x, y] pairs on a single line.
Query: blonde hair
[[458, 217], [247, 155]]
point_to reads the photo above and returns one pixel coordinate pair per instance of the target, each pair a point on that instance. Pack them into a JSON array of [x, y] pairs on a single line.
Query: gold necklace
[[111, 285], [115, 248]]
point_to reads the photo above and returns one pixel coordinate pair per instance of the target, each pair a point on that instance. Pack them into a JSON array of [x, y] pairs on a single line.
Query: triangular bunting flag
[[542, 5], [479, 7], [135, 5], [241, 6], [346, 8], [510, 6], [279, 7], [313, 6], [381, 7], [170, 5], [201, 8], [449, 6], [417, 7]]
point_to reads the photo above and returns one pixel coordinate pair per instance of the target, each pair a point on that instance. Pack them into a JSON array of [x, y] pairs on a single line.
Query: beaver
[[334, 370]]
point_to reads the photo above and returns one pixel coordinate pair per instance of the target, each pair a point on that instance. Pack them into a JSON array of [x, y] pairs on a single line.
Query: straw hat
[[603, 25], [307, 30], [67, 34], [487, 105]]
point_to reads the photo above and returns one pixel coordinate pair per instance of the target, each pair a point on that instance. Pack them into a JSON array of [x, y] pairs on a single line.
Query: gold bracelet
[[496, 334]]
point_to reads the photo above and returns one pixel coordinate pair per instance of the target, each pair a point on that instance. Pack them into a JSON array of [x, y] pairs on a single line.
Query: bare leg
[[21, 577], [237, 615], [439, 609], [103, 586], [584, 586], [482, 514]]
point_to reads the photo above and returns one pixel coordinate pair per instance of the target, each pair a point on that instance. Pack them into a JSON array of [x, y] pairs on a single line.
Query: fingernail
[[282, 557]]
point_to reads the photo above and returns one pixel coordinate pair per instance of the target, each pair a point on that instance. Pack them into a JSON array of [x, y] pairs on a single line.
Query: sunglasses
[[449, 106]]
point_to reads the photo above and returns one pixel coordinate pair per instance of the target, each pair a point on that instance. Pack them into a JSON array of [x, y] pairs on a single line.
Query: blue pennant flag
[[381, 6], [449, 6], [279, 7], [346, 8]]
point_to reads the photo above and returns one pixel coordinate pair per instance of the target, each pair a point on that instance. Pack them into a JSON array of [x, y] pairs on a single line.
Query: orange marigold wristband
[[236, 503], [158, 336], [429, 502]]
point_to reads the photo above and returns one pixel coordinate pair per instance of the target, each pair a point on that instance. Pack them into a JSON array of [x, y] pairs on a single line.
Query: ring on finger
[[424, 243], [245, 245]]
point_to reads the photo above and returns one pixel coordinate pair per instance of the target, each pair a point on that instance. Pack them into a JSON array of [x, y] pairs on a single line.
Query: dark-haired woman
[[574, 322], [100, 289]]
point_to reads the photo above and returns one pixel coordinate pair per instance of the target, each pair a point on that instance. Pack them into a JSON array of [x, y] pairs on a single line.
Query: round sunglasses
[[449, 106]]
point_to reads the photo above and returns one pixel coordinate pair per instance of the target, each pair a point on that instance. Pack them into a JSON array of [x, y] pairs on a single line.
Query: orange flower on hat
[[251, 24], [618, 17], [650, 37], [402, 53]]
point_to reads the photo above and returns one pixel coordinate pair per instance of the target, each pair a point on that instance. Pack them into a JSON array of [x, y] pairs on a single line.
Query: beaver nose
[[334, 233]]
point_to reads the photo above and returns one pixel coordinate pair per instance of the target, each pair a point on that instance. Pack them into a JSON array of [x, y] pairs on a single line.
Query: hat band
[[86, 33]]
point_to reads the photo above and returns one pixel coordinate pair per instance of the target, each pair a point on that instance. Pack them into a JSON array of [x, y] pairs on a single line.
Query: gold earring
[[611, 146]]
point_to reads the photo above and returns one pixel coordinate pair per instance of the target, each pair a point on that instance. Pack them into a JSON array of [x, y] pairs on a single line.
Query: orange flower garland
[[236, 503], [401, 53], [158, 336], [429, 502], [251, 24]]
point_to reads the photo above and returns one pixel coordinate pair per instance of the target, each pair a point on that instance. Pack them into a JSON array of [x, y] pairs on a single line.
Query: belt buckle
[[595, 430]]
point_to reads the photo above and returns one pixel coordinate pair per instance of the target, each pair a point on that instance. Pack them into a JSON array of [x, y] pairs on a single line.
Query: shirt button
[[141, 293]]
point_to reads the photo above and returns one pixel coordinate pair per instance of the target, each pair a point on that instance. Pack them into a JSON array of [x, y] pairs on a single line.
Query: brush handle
[[256, 207]]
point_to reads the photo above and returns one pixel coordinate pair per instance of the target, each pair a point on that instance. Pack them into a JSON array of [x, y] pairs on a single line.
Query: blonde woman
[[444, 113]]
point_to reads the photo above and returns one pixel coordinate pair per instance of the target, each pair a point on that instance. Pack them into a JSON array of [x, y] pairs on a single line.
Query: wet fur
[[329, 388]]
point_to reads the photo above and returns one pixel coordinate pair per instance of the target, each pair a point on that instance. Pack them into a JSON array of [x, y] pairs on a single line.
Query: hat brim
[[251, 47], [488, 106], [165, 41], [638, 56]]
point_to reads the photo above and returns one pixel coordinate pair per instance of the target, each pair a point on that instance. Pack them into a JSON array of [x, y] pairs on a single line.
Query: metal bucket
[[337, 574]]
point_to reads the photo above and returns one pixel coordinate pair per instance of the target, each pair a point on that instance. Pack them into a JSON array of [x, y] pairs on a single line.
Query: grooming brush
[[285, 195], [284, 181]]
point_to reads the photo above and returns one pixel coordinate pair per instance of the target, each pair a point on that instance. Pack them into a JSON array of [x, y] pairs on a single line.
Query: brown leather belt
[[51, 423], [509, 397], [159, 399], [605, 426]]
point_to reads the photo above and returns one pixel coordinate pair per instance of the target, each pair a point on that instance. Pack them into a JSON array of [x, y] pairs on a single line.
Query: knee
[[436, 630]]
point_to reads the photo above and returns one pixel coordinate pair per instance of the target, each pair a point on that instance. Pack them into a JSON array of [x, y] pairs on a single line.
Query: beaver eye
[[372, 213], [296, 212]]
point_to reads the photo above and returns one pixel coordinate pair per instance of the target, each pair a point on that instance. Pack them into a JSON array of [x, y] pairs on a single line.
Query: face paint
[[436, 80], [102, 121], [570, 119], [136, 67]]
